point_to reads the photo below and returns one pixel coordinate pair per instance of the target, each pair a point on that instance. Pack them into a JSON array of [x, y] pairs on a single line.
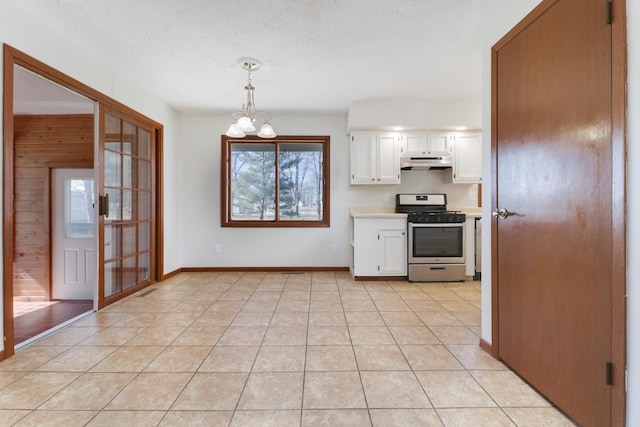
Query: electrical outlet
[[386, 197], [472, 195], [216, 248], [334, 247]]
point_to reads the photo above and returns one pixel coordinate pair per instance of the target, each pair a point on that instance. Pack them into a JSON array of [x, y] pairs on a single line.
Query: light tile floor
[[272, 349]]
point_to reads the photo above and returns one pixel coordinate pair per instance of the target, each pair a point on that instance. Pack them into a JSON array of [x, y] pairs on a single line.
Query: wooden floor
[[33, 318]]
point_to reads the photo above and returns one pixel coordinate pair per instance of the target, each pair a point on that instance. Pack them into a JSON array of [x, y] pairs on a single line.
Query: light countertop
[[470, 212], [387, 212]]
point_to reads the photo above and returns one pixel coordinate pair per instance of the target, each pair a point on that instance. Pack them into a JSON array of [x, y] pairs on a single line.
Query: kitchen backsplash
[[423, 181]]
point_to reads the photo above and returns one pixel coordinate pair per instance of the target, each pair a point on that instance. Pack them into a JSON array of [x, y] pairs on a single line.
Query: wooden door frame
[[11, 57], [618, 197]]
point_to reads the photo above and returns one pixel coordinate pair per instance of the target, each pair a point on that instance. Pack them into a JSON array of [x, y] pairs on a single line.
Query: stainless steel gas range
[[436, 244]]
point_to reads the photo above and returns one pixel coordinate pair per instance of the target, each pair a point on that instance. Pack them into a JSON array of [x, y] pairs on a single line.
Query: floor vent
[[144, 294]]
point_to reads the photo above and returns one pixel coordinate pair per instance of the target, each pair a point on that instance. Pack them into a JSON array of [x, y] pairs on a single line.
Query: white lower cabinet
[[379, 247]]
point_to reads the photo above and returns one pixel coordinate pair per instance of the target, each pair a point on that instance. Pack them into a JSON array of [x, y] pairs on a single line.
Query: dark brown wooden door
[[552, 112]]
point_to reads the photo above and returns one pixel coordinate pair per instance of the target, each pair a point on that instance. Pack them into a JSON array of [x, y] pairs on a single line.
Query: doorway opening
[[53, 133]]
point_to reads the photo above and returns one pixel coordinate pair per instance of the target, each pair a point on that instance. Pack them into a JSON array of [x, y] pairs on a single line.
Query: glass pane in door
[[79, 208]]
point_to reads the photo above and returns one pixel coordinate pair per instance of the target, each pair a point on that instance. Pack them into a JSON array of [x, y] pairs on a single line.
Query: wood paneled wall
[[42, 143]]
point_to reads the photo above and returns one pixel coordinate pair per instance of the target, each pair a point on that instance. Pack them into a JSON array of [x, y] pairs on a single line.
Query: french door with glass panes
[[127, 206]]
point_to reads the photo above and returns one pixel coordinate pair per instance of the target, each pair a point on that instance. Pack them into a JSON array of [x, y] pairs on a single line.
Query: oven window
[[437, 242]]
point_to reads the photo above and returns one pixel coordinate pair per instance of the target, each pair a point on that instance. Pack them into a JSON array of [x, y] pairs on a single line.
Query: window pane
[[144, 205], [144, 144], [144, 236], [144, 266], [79, 211], [128, 239], [300, 181], [113, 132], [112, 240], [130, 142], [144, 175], [129, 272], [112, 280], [112, 173], [126, 205], [253, 181], [115, 202], [127, 172]]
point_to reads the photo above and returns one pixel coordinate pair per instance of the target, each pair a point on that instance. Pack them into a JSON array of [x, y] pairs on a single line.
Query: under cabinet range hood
[[423, 163]]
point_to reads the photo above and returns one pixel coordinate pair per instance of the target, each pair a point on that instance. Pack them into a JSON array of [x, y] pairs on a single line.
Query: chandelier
[[243, 121]]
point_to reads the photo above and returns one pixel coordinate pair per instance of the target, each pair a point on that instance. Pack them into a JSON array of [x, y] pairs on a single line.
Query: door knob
[[501, 213]]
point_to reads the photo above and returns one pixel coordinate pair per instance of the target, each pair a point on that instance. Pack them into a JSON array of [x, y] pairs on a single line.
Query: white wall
[[432, 114], [633, 213], [36, 39], [280, 247]]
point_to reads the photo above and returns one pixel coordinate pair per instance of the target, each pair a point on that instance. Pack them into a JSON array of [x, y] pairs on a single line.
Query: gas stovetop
[[436, 217], [427, 208]]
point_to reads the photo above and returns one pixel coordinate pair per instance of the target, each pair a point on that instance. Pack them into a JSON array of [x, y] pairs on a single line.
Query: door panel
[[553, 163], [73, 234], [127, 225]]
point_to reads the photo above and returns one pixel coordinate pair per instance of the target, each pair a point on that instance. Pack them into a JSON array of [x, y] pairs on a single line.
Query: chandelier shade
[[244, 121], [266, 131]]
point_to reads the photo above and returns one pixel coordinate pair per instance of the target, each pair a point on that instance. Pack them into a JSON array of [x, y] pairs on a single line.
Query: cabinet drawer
[[392, 224]]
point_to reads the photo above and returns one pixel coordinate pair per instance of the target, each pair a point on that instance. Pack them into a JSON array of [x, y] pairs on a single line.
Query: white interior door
[[73, 227]]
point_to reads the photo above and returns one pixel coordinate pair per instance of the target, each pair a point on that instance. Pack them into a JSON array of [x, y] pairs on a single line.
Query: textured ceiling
[[318, 55]]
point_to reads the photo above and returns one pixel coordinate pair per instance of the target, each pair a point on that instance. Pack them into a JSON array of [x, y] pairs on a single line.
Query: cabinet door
[[414, 144], [392, 256], [365, 245], [388, 164], [439, 143], [363, 158], [467, 162]]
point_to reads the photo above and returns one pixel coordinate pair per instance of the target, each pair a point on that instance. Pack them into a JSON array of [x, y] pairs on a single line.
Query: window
[[79, 212], [280, 182]]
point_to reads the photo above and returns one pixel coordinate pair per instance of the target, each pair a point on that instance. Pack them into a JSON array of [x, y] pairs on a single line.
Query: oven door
[[436, 243]]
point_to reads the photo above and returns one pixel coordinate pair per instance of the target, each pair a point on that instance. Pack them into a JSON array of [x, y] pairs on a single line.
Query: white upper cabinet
[[363, 157], [375, 158], [415, 144], [439, 143], [467, 158]]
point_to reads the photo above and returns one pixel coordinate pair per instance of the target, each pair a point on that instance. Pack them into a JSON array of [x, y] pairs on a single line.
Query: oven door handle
[[435, 224]]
